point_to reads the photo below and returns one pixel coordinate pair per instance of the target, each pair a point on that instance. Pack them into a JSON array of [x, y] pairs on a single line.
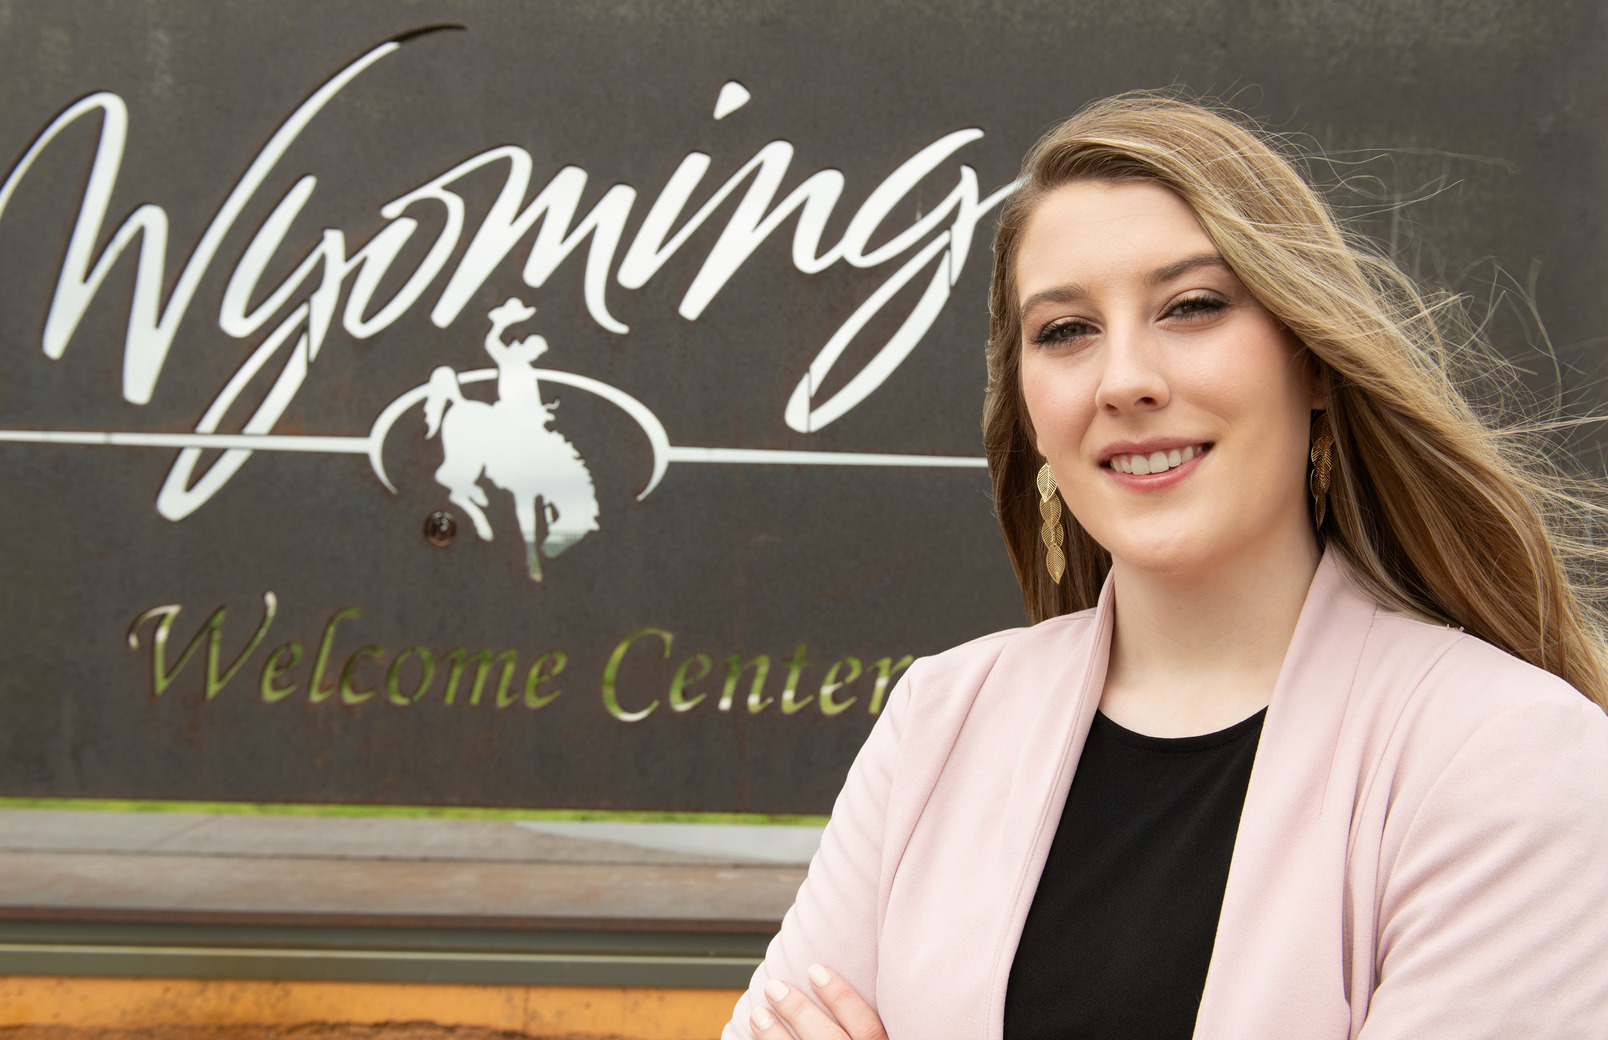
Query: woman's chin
[[1192, 553], [1180, 549], [1170, 563]]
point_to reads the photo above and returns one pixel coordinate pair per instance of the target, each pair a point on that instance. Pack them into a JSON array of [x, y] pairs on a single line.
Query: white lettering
[[896, 187], [953, 244], [748, 227], [506, 224], [939, 240], [151, 326]]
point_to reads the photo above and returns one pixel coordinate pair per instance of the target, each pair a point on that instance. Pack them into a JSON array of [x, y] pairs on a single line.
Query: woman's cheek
[[1053, 409], [1060, 420]]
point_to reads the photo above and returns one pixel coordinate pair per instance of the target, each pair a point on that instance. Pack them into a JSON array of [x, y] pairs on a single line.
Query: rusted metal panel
[[405, 171]]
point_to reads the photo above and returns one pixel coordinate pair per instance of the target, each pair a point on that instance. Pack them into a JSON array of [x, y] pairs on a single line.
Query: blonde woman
[[1307, 737]]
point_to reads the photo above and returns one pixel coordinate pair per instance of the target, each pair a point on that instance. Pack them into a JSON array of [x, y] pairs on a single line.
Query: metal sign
[[564, 405]]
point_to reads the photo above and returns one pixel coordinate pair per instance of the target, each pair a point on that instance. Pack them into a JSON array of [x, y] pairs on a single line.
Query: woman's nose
[[1131, 378]]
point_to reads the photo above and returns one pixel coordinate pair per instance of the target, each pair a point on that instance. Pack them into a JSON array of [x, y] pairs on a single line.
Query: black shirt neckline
[[1118, 941], [1198, 742]]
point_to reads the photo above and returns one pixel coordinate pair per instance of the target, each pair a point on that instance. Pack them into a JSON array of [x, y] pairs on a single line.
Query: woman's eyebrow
[[1059, 294], [1073, 293], [1173, 270]]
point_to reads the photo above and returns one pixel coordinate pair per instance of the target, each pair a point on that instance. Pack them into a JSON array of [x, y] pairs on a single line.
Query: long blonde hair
[[1441, 512]]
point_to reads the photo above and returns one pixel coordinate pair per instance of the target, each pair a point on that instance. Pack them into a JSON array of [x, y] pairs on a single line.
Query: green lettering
[[349, 693], [393, 688], [483, 665], [277, 666], [830, 705], [795, 665], [678, 700], [734, 670], [536, 676], [162, 677], [316, 691], [611, 671], [886, 670]]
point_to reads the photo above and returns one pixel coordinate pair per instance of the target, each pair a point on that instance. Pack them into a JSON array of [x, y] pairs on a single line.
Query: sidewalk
[[392, 900]]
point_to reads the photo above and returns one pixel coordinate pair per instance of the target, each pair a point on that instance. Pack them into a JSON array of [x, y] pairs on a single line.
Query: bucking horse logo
[[513, 443]]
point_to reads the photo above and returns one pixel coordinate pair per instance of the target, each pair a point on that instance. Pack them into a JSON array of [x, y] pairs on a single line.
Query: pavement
[[333, 870], [388, 899]]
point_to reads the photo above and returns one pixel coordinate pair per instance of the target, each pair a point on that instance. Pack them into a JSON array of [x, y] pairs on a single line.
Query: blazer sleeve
[[836, 918], [1493, 912]]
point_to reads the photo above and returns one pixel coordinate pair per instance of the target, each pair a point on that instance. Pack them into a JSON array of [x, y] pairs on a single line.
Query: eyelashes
[[1201, 306], [1197, 306], [1062, 330]]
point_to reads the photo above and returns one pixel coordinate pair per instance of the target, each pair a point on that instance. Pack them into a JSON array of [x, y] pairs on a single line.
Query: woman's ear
[[1030, 433], [1311, 375]]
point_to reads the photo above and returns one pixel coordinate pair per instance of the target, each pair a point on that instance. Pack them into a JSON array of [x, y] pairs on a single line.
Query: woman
[[1314, 639]]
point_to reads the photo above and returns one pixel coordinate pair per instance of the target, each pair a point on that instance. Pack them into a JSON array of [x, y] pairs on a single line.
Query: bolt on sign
[[568, 405]]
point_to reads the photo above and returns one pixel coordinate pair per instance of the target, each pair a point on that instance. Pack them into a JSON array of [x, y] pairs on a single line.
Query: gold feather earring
[[1050, 510], [1322, 460]]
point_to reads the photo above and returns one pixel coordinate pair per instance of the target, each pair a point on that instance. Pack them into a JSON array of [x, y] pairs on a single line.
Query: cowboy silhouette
[[513, 444]]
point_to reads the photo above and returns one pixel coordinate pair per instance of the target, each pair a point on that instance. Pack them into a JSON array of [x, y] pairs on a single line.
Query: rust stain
[[60, 1008]]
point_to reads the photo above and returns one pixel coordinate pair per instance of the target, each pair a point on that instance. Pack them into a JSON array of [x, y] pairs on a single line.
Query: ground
[[307, 1031]]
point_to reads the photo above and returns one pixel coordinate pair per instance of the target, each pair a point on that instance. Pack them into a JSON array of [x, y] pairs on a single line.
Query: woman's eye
[[1064, 330], [1197, 307]]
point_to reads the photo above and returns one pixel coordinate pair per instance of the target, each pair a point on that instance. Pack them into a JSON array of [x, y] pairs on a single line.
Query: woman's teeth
[[1156, 461]]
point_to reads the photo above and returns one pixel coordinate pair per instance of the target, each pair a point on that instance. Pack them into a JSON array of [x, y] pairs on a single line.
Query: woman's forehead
[[1089, 232]]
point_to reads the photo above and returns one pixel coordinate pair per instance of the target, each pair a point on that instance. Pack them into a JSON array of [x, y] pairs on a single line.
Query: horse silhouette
[[512, 442]]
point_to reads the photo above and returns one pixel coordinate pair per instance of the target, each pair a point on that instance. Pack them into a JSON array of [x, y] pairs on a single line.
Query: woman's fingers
[[809, 1022], [851, 1011], [798, 1011], [767, 1026]]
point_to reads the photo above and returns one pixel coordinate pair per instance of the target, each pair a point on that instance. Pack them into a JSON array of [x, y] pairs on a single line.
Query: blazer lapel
[[979, 796], [1278, 966], [1042, 776]]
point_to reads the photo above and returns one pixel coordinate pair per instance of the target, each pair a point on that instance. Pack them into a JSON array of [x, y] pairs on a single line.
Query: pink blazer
[[1423, 850]]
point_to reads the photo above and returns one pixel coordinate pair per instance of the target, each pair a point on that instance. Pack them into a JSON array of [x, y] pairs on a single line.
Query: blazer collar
[[1059, 668], [1283, 862], [1277, 969]]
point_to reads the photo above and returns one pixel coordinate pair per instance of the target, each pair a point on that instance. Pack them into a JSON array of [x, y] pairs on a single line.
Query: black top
[[1120, 934]]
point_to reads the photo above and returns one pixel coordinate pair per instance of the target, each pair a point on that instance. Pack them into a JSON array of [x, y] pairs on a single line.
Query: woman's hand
[[851, 1017]]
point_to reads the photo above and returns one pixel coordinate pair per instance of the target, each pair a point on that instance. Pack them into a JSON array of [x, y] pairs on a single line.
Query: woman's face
[[1170, 404]]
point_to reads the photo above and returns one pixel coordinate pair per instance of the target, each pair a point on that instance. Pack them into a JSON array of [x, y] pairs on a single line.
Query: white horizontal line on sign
[[361, 445], [248, 441], [765, 456]]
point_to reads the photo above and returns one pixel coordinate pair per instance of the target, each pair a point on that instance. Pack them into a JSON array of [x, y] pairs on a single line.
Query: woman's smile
[[1151, 460]]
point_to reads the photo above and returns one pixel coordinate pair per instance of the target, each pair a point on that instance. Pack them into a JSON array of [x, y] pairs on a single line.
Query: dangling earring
[[1050, 509], [1322, 460]]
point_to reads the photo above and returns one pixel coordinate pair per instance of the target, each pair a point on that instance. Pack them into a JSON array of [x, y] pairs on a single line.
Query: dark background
[[1467, 134]]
